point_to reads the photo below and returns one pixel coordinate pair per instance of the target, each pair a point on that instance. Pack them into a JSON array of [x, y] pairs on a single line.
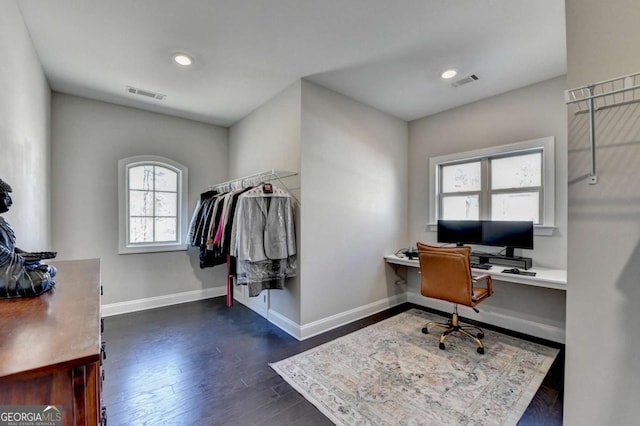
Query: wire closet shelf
[[255, 179], [594, 97]]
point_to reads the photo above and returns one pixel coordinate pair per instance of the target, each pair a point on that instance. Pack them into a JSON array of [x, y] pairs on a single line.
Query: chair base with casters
[[453, 325]]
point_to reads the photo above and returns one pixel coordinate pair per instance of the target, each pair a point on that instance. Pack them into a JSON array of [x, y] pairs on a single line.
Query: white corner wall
[[88, 139], [528, 113], [602, 379], [269, 138], [354, 198], [24, 132]]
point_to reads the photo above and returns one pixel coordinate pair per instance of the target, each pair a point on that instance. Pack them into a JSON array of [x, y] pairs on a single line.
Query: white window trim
[[547, 144], [123, 205]]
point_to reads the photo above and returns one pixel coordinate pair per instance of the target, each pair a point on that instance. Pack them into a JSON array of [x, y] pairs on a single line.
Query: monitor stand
[[496, 259]]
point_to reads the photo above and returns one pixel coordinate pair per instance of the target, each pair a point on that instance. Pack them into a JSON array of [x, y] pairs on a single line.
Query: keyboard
[[519, 272], [480, 265]]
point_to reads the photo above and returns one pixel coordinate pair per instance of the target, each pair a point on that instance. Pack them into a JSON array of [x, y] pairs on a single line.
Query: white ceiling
[[385, 53]]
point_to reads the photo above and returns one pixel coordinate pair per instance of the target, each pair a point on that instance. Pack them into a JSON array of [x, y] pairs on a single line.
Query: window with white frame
[[152, 204], [508, 182]]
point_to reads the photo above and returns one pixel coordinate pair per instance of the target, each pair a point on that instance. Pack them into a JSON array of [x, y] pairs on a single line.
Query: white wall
[[88, 139], [602, 379], [269, 138], [529, 113], [524, 114], [352, 188], [354, 198], [24, 131]]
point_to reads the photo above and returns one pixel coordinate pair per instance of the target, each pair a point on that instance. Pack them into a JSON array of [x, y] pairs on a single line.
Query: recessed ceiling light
[[449, 74], [183, 59]]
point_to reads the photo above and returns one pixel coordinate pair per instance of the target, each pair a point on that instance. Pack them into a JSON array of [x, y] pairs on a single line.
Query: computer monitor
[[460, 231], [508, 234]]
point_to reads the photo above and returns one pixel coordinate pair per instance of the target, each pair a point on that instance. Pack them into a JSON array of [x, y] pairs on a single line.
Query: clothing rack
[[255, 179], [594, 97]]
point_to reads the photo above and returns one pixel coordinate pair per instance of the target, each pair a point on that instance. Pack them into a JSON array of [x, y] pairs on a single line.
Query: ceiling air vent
[[465, 80], [147, 93]]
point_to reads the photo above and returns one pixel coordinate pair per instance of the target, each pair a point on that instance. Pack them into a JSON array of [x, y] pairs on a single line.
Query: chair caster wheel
[[441, 346], [425, 330], [480, 335], [480, 351]]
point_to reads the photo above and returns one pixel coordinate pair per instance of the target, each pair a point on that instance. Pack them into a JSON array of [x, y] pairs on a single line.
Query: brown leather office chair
[[446, 275]]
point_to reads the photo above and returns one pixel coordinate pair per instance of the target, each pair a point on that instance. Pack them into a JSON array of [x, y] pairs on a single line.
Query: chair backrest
[[446, 273]]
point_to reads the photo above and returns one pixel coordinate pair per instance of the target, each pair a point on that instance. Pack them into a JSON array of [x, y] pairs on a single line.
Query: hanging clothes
[[252, 231], [263, 239], [204, 218], [198, 216]]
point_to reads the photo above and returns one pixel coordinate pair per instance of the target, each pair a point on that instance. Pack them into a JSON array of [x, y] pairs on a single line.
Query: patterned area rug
[[390, 373]]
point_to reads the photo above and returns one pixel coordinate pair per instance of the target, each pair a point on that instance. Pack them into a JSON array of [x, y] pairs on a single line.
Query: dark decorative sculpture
[[21, 273]]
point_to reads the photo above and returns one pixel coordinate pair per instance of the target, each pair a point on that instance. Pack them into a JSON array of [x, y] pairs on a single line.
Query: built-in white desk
[[545, 277]]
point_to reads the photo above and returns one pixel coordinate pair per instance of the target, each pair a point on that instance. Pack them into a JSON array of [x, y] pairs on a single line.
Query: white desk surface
[[545, 277]]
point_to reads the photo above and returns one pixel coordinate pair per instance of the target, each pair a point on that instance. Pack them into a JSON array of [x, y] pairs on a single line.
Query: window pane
[[516, 206], [166, 203], [166, 229], [461, 177], [141, 177], [519, 171], [150, 194], [140, 203], [166, 180], [141, 230], [460, 208]]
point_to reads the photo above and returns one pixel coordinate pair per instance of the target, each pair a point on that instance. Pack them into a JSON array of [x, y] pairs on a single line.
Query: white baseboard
[[532, 328], [160, 301], [325, 324], [317, 327], [284, 323], [302, 332]]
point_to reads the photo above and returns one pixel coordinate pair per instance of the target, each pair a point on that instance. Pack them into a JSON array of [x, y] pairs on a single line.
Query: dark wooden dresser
[[50, 346]]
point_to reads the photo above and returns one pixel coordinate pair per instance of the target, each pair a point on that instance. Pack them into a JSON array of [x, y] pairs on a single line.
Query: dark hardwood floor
[[202, 363]]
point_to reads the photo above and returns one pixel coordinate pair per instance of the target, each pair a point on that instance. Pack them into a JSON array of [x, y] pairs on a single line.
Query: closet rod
[[606, 91], [269, 174], [259, 177]]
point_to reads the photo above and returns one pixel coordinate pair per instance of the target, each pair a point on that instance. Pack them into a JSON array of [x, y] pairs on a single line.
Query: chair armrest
[[486, 278]]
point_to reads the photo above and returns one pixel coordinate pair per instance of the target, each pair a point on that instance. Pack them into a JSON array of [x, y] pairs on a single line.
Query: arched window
[[152, 194]]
